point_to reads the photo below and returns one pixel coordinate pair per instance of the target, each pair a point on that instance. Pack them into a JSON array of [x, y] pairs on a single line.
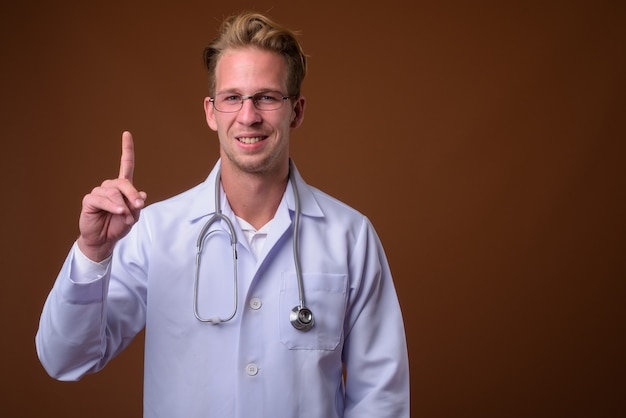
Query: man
[[280, 330]]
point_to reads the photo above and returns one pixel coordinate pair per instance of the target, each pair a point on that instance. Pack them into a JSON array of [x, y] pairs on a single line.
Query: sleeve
[[375, 353], [85, 270], [90, 315]]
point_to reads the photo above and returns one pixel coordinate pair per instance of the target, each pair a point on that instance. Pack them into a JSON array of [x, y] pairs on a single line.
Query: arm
[[375, 352], [86, 319]]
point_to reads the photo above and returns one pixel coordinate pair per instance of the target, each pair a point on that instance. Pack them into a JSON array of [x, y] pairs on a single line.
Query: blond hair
[[256, 30]]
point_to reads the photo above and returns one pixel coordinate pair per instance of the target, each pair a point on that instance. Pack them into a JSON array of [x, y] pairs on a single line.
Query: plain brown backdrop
[[486, 141]]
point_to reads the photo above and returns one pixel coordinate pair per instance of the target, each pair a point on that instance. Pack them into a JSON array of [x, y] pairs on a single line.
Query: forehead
[[250, 69]]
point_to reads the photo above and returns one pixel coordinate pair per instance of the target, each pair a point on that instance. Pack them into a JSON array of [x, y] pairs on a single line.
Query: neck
[[254, 197]]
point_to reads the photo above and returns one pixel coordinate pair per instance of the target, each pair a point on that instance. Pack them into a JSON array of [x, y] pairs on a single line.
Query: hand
[[110, 211]]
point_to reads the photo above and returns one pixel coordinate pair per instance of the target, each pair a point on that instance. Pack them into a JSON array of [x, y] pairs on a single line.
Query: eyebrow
[[238, 92]]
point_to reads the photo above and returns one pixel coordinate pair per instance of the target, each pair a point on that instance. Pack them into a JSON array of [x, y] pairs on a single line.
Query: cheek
[[286, 122]]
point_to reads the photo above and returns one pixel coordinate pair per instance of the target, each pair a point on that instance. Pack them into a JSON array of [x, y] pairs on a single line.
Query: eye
[[267, 98], [230, 98]]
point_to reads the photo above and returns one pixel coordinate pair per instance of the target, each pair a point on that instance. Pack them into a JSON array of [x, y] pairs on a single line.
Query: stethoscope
[[300, 316]]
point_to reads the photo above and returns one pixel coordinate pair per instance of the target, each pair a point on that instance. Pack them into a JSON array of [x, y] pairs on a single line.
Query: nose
[[248, 114]]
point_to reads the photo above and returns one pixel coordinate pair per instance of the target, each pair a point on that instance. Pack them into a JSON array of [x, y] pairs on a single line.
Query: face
[[251, 140]]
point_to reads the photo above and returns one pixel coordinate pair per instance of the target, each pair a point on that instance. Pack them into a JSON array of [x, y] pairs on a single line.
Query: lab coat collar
[[308, 204], [203, 204]]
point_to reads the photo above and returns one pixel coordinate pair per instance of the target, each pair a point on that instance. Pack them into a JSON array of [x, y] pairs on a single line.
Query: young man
[[255, 289]]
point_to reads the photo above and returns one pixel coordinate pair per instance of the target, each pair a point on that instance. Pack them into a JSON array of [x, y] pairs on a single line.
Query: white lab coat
[[256, 365]]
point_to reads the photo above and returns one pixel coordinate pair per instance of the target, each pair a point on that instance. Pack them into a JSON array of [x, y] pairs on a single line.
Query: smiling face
[[251, 140]]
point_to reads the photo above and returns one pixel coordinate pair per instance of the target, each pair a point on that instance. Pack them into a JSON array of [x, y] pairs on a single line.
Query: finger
[[98, 202], [135, 198], [126, 191], [127, 161]]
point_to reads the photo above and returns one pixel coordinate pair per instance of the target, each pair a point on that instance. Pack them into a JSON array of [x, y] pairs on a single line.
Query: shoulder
[[187, 205], [337, 217], [332, 205], [180, 199]]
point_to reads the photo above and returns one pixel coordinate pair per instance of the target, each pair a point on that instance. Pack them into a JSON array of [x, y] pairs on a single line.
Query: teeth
[[250, 140]]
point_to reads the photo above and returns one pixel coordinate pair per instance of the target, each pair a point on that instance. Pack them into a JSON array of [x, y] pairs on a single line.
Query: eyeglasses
[[267, 100]]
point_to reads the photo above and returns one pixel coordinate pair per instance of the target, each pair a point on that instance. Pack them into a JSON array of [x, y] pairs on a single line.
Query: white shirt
[[256, 238], [258, 364]]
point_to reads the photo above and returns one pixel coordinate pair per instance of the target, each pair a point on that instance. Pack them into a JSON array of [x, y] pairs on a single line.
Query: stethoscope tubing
[[217, 216], [301, 317]]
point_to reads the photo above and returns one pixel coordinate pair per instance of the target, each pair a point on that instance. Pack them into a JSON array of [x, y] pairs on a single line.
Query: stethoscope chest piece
[[301, 318]]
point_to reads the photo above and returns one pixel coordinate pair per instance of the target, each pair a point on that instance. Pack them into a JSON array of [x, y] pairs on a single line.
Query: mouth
[[248, 140]]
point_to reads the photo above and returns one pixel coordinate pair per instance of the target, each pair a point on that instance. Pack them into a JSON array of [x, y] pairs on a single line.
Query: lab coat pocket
[[325, 296]]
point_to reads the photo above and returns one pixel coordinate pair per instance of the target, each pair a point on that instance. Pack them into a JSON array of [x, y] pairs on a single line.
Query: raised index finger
[[127, 162]]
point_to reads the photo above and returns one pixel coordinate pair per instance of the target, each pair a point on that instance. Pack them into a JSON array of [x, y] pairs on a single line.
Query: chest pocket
[[325, 296]]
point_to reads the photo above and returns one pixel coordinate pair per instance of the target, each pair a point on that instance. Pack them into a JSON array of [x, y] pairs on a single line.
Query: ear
[[209, 111], [297, 115]]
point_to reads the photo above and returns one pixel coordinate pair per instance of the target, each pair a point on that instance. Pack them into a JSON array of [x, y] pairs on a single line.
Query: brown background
[[486, 143]]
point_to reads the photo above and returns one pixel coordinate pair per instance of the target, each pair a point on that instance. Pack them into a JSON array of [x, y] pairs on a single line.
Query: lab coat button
[[255, 303], [252, 369]]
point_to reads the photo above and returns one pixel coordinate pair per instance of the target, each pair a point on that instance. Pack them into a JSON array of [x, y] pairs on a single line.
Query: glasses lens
[[268, 101], [228, 102]]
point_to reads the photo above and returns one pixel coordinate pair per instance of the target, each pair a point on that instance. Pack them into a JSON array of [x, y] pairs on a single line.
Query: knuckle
[[109, 191], [96, 191]]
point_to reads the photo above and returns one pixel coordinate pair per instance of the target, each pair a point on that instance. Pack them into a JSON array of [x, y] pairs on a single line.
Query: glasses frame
[[254, 102]]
